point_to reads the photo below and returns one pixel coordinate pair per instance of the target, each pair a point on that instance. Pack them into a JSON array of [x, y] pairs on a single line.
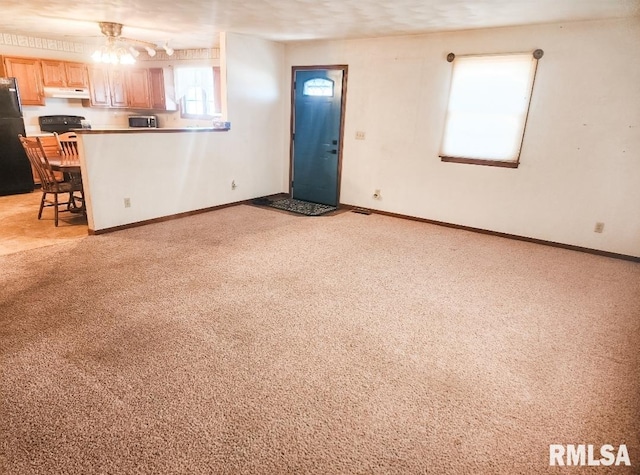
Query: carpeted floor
[[247, 340]]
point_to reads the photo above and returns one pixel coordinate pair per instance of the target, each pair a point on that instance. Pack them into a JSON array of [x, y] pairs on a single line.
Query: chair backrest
[[67, 145], [38, 158], [51, 147]]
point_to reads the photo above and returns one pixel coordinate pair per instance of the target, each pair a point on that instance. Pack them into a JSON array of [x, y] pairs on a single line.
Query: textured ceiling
[[196, 23]]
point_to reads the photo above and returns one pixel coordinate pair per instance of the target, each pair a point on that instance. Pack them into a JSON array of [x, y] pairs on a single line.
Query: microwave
[[148, 121]]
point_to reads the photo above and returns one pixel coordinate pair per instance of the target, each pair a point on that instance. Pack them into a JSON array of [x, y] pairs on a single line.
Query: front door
[[316, 140]]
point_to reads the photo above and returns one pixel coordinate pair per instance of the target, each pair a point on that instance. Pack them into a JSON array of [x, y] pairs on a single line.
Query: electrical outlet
[[360, 135], [377, 195], [233, 185], [598, 228], [127, 202]]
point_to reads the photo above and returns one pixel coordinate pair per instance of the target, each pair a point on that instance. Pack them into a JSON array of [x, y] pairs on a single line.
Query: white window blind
[[488, 106]]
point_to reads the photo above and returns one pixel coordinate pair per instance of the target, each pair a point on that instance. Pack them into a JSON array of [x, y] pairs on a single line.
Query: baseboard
[[499, 234], [172, 216]]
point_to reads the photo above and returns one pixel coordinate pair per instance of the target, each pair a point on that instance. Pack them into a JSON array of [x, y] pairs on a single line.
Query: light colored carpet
[[248, 340], [22, 230]]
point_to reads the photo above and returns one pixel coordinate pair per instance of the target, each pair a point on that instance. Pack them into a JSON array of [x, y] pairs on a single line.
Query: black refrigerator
[[15, 169]]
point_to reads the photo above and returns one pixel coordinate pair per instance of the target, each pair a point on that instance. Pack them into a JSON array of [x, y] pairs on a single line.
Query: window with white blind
[[198, 92], [488, 107]]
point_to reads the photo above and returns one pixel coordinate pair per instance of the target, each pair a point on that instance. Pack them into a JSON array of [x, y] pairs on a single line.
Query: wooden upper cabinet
[[134, 88], [156, 83], [162, 89], [28, 74], [99, 92], [53, 73], [76, 75], [64, 74], [118, 86], [138, 90], [107, 87]]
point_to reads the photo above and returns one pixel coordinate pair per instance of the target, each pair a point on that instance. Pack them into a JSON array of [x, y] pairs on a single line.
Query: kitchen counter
[[144, 130]]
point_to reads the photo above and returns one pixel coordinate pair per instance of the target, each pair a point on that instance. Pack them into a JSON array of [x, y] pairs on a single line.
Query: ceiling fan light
[[118, 50], [127, 59]]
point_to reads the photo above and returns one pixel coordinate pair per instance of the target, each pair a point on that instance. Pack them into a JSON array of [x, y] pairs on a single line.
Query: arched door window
[[318, 87]]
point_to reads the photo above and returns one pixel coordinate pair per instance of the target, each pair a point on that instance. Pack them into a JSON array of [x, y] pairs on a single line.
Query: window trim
[[537, 54], [480, 161]]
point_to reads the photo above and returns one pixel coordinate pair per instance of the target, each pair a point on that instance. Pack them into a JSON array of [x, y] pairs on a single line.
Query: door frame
[[343, 105]]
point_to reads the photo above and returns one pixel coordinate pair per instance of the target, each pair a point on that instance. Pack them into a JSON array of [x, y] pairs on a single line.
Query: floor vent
[[361, 211]]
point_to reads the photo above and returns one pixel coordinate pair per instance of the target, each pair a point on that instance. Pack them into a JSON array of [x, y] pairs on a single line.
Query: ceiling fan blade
[[138, 42]]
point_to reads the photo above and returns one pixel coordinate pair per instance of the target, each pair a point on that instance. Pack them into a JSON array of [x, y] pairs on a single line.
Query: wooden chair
[[67, 145], [50, 185], [52, 152], [68, 151]]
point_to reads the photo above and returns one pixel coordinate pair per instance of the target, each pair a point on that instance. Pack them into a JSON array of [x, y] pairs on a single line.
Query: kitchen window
[[488, 107], [198, 92]]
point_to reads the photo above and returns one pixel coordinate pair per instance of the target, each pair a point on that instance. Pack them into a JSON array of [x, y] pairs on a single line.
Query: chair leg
[[41, 204], [83, 204], [55, 200]]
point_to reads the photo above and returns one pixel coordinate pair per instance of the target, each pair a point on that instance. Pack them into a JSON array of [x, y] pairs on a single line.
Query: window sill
[[200, 117], [475, 161]]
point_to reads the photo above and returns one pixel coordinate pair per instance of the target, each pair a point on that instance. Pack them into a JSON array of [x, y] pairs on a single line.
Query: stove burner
[[60, 123]]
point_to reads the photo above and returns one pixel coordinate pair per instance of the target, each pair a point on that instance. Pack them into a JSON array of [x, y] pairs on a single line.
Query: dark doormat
[[301, 207]]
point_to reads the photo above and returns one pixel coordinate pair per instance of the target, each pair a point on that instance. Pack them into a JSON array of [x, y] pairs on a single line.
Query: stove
[[60, 123]]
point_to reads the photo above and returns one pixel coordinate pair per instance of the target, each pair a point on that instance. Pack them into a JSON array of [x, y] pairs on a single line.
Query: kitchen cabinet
[[28, 74], [118, 86], [133, 88], [64, 74], [99, 92], [76, 75], [107, 87], [162, 89], [53, 73], [138, 88]]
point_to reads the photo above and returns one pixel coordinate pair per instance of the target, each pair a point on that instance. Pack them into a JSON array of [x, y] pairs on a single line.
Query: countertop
[[144, 130]]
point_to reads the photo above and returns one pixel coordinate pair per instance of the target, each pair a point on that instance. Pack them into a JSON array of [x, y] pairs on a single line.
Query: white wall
[[579, 161], [166, 173], [255, 99]]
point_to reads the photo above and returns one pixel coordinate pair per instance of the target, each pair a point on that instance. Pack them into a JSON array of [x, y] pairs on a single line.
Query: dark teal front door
[[316, 140]]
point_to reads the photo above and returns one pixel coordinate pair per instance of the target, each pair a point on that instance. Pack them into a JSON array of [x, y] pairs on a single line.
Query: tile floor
[[21, 230]]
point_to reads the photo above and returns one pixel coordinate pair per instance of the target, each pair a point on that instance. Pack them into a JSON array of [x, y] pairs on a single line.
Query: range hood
[[66, 92]]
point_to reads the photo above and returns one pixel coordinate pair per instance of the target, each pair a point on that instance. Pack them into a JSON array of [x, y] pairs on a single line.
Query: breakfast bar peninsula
[[136, 176]]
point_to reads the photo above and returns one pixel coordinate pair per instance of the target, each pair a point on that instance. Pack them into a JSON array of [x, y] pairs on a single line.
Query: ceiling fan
[[121, 50]]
